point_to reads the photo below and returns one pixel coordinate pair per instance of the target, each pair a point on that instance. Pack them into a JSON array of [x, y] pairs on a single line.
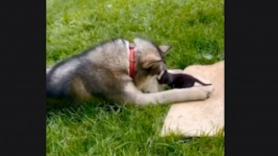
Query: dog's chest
[[149, 85]]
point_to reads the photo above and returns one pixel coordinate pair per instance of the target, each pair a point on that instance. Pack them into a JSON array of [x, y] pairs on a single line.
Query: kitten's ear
[[165, 49]]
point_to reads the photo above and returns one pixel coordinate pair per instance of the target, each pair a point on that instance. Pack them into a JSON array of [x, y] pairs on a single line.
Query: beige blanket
[[199, 117]]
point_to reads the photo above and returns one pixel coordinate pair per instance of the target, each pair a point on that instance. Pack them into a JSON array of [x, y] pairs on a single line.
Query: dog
[[121, 71]]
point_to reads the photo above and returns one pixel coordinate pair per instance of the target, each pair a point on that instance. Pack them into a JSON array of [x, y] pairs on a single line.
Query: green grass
[[195, 30]]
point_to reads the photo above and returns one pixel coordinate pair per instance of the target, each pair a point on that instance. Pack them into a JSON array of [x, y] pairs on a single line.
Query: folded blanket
[[197, 118]]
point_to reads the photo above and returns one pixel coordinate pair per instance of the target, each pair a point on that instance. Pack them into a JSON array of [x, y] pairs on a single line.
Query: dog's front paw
[[202, 92], [209, 90]]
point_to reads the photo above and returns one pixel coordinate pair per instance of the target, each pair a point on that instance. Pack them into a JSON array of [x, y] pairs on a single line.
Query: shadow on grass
[[68, 107]]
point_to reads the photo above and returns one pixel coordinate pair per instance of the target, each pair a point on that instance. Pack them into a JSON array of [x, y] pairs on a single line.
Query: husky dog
[[119, 71]]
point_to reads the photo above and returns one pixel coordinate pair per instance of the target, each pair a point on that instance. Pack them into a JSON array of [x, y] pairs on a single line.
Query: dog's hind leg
[[134, 96]]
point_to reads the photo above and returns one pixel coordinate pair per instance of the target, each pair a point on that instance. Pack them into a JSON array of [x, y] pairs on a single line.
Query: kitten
[[179, 80]]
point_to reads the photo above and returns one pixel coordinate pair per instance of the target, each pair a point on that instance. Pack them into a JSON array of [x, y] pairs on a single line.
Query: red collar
[[132, 62]]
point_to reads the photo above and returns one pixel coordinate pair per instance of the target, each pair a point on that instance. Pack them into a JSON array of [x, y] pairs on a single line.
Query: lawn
[[195, 30]]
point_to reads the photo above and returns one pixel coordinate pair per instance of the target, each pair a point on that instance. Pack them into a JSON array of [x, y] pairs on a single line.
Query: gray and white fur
[[103, 72]]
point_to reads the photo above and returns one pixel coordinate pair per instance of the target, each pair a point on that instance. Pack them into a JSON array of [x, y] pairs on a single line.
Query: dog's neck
[[132, 57]]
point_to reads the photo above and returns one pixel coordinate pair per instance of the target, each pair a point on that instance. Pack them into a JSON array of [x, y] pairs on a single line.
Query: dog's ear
[[165, 49]]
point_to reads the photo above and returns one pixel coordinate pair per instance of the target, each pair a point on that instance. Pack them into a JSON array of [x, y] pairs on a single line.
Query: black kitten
[[180, 80]]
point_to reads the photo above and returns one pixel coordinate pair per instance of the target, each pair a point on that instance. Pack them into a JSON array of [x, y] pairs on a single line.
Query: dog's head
[[151, 64]]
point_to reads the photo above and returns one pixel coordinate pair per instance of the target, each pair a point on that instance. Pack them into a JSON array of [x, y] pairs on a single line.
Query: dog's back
[[92, 72]]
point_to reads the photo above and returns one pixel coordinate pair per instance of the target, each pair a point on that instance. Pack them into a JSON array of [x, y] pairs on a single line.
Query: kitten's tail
[[196, 80]]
